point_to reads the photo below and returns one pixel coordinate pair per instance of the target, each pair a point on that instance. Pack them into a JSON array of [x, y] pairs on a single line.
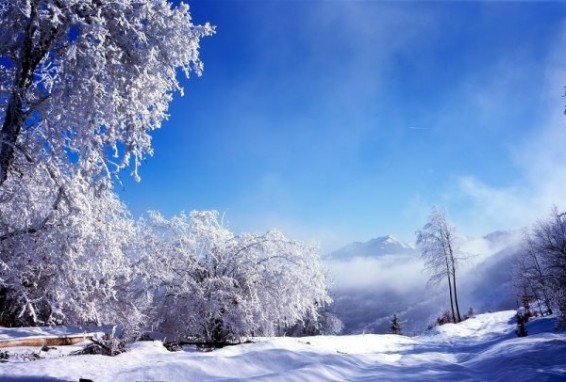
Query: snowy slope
[[483, 348]]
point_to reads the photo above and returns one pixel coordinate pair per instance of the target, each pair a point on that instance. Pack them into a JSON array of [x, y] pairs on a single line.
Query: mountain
[[373, 280], [490, 283], [503, 237], [380, 246]]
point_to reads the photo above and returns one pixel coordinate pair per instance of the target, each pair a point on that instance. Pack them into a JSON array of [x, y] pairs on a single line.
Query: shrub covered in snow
[[208, 283]]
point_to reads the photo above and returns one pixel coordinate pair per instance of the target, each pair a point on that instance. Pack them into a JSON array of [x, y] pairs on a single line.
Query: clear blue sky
[[346, 120]]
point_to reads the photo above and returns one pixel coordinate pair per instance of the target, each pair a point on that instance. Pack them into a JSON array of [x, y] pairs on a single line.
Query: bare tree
[[530, 276], [547, 262], [438, 244]]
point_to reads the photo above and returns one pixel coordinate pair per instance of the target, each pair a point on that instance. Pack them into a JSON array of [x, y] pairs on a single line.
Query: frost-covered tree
[[439, 246], [63, 254], [82, 85], [82, 79], [327, 324], [530, 278], [330, 324], [207, 283], [546, 268]]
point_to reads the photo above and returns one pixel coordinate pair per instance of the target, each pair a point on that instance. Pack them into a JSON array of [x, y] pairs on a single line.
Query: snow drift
[[482, 348]]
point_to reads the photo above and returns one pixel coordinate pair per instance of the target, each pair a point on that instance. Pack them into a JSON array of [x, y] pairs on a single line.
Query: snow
[[481, 348]]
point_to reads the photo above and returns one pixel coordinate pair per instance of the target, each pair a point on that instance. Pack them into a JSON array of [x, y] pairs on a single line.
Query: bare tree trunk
[[450, 290], [457, 317]]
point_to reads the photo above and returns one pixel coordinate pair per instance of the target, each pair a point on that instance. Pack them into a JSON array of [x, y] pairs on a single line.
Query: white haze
[[399, 272], [368, 290]]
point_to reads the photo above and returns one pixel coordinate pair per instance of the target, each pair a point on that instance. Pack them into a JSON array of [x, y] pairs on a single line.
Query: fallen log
[[47, 341]]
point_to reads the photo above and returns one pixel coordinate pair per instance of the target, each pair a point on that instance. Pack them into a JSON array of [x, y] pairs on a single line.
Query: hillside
[[482, 348], [382, 276]]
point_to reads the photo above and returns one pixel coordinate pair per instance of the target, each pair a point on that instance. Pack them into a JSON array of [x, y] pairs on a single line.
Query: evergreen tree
[[395, 325]]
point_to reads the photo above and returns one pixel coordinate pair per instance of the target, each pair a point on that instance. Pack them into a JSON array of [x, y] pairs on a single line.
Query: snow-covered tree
[[439, 246], [546, 265], [330, 324], [208, 283], [82, 79], [82, 85], [63, 253], [530, 278], [327, 324]]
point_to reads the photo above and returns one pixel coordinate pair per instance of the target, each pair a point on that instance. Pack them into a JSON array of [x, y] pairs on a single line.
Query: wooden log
[[46, 341]]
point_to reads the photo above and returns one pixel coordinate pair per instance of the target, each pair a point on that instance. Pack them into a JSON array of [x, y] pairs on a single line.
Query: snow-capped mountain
[[384, 245]]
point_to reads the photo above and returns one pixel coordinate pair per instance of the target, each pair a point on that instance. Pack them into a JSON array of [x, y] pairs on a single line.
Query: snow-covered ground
[[483, 348]]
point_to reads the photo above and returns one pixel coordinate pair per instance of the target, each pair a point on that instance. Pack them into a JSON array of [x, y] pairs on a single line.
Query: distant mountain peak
[[389, 240], [379, 246]]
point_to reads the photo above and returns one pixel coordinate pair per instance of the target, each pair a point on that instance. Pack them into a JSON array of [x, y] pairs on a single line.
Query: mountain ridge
[[376, 247]]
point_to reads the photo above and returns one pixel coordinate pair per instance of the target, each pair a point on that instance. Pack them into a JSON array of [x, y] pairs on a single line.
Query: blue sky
[[346, 120]]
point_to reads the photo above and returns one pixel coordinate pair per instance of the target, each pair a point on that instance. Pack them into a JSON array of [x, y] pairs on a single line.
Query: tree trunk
[[9, 135], [457, 317], [31, 54], [450, 290], [14, 114]]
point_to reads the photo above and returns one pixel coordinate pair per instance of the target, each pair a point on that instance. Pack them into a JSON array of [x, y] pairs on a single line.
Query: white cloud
[[395, 272], [540, 159]]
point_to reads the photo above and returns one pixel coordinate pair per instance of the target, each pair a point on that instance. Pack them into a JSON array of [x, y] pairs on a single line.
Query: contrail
[[418, 128]]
